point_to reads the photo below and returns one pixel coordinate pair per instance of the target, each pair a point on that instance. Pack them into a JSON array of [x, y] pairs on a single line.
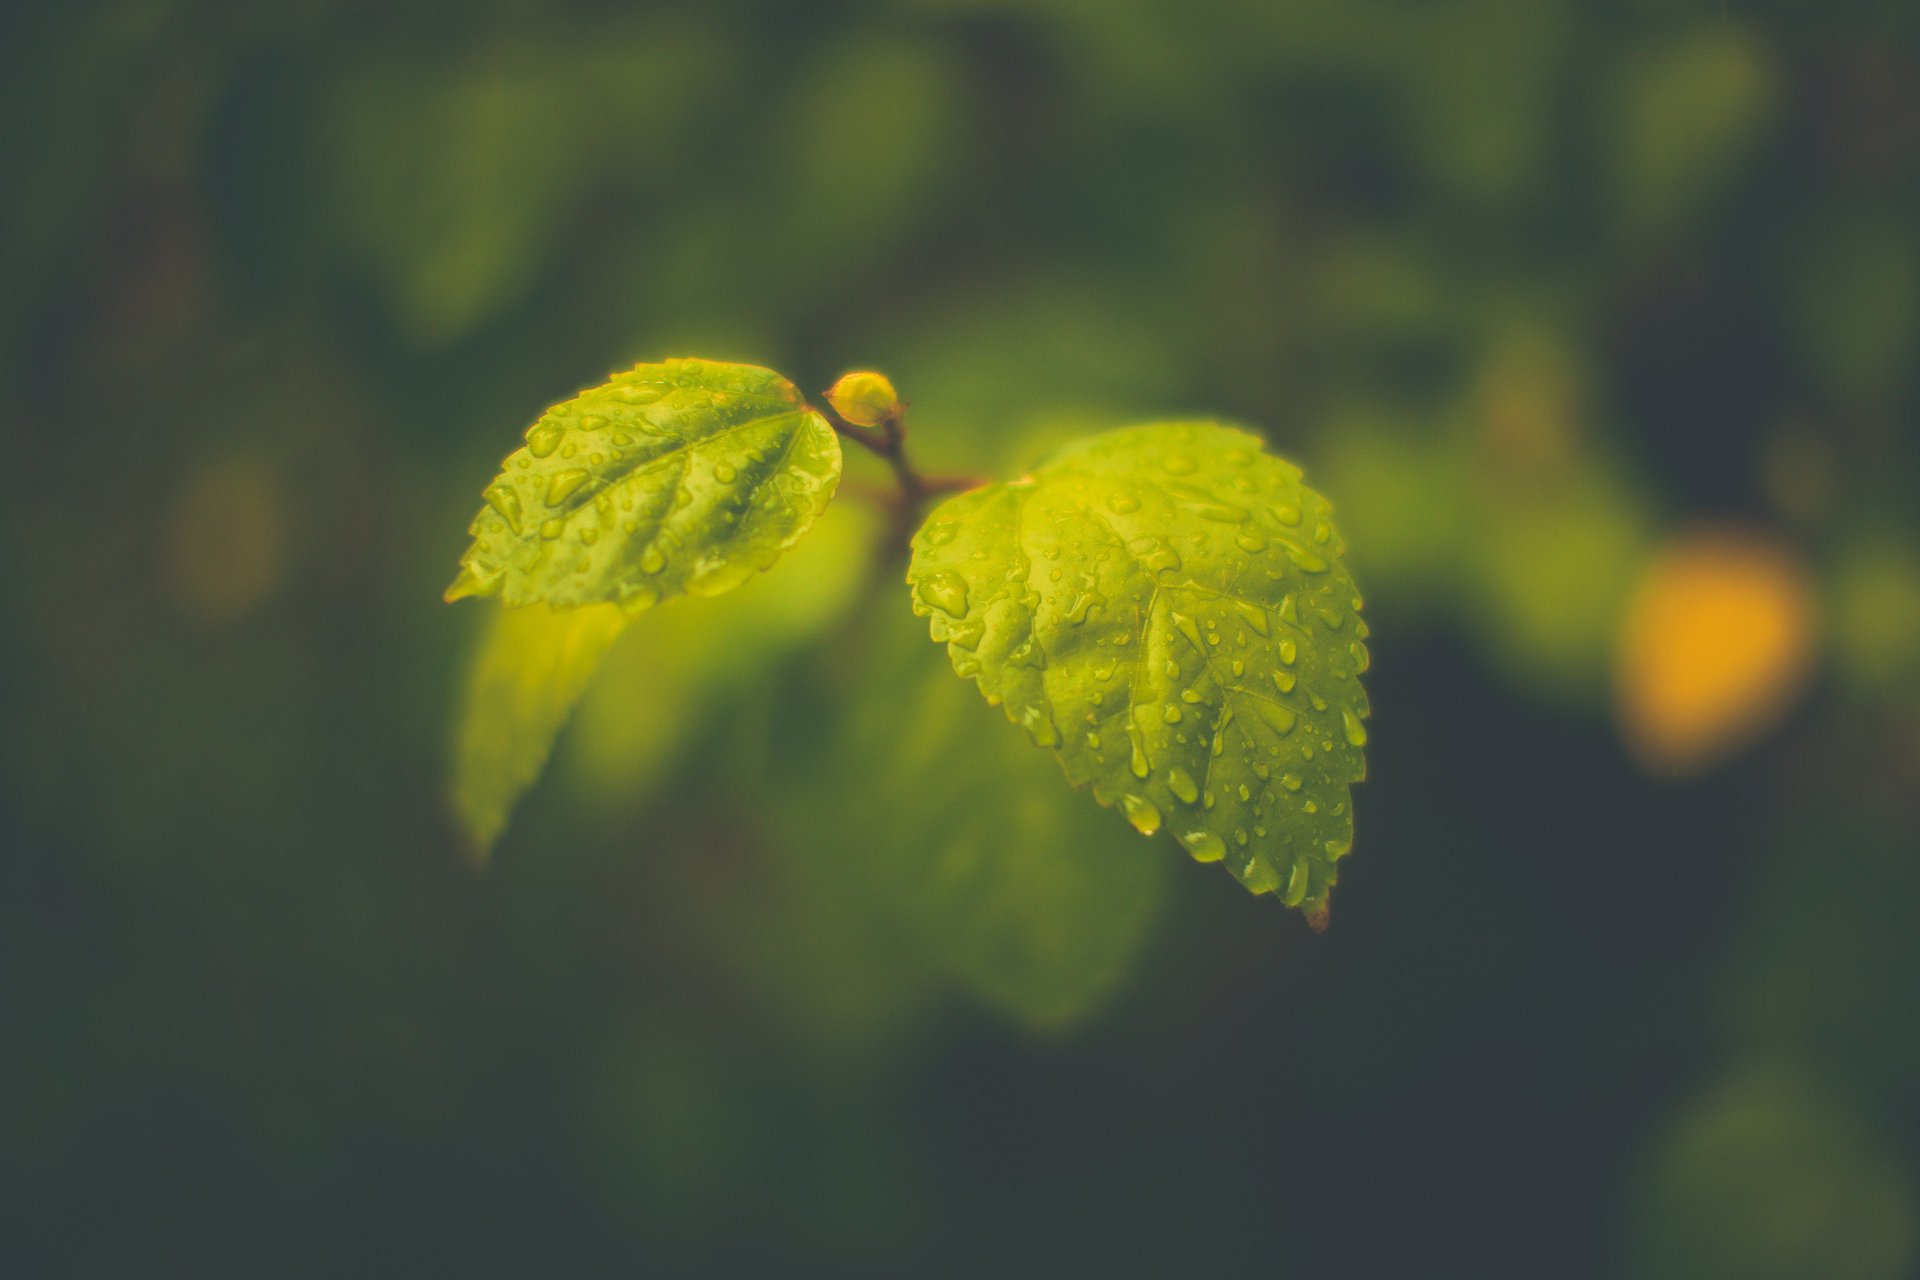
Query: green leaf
[[535, 663], [968, 856], [671, 479], [682, 670], [532, 666], [1165, 609]]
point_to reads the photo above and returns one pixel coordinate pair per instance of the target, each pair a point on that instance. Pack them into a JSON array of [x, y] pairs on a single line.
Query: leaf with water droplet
[[670, 479], [1227, 671], [534, 663]]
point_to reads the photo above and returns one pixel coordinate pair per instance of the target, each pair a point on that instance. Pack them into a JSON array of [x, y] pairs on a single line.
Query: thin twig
[[888, 441]]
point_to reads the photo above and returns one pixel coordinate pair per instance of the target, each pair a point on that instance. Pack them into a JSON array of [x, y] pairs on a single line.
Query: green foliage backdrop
[[799, 958]]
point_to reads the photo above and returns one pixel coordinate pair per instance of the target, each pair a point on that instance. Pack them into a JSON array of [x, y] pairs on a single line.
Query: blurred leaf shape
[[1769, 1178], [856, 180], [225, 539], [686, 477], [1481, 118], [453, 179], [1688, 113], [673, 677], [1714, 644], [1165, 609], [972, 858], [1854, 303], [1876, 611], [1406, 500], [534, 664], [531, 667], [1549, 563]]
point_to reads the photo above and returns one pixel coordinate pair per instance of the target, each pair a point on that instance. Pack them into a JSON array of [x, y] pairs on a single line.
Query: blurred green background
[[1624, 975]]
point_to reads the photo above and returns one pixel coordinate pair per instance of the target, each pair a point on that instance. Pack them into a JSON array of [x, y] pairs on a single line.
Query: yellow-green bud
[[865, 398]]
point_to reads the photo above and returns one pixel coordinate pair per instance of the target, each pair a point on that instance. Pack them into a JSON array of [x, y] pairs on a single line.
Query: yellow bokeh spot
[[1715, 643]]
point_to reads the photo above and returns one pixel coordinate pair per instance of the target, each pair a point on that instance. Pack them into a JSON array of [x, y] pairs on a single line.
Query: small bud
[[865, 399]]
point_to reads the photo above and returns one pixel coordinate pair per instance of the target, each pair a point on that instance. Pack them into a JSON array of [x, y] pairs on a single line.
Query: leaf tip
[[470, 583], [1319, 915]]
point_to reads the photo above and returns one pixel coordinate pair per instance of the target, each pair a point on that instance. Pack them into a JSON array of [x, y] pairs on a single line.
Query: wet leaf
[[1165, 609], [670, 479]]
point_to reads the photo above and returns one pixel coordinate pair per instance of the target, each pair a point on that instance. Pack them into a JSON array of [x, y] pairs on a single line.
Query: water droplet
[[1245, 792], [563, 485], [1259, 877], [1182, 784], [1297, 881], [652, 560], [505, 499], [1356, 732], [1281, 718], [939, 534], [1286, 513], [1283, 679], [1160, 558], [1250, 542], [944, 591], [1141, 813], [544, 438], [1179, 464], [1093, 742], [553, 528], [724, 472], [1139, 764], [1255, 615], [1306, 559], [1288, 652], [1205, 846], [1171, 713], [1123, 503], [1224, 512], [1291, 781]]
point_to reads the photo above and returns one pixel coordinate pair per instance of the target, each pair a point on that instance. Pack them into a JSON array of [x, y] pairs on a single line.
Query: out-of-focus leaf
[[1855, 303], [675, 674], [1688, 115], [1165, 609], [1715, 642], [1480, 117], [452, 181], [1876, 612], [1406, 501], [668, 479], [1768, 1178], [972, 858], [857, 178], [1549, 564], [1686, 118], [532, 665]]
